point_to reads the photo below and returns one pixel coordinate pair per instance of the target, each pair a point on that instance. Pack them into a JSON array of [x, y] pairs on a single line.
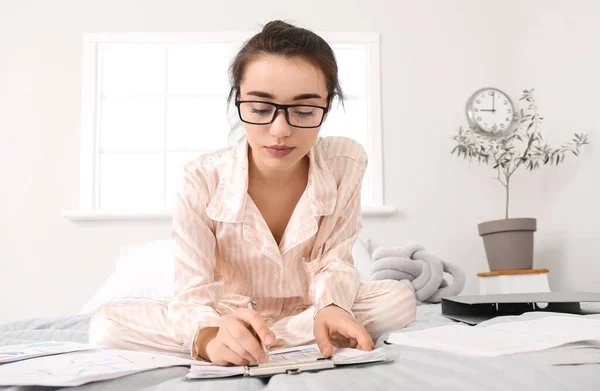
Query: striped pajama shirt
[[225, 255]]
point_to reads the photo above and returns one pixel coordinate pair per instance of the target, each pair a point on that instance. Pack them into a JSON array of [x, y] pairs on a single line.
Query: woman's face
[[278, 146]]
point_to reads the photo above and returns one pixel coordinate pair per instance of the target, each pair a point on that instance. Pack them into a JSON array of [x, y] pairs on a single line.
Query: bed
[[409, 368]]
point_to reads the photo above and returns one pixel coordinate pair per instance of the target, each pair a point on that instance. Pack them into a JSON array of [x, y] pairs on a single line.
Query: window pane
[[352, 65], [175, 163], [131, 180], [195, 116], [130, 70], [132, 123], [349, 122], [197, 123], [200, 69]]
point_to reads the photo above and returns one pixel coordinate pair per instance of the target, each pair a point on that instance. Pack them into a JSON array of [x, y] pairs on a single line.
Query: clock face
[[492, 111]]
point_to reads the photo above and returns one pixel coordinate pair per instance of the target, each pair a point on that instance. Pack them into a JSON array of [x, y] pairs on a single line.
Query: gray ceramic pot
[[509, 243]]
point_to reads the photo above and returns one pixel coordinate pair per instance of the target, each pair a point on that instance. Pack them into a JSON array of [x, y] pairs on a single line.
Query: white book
[[301, 358], [514, 283]]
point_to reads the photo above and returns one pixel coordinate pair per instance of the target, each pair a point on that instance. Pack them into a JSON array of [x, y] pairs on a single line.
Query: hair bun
[[275, 26]]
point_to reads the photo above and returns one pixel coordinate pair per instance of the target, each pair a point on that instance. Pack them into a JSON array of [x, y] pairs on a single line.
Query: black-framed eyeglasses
[[257, 112]]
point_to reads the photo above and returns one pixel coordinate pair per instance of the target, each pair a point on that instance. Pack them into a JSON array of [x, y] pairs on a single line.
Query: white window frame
[[90, 87]]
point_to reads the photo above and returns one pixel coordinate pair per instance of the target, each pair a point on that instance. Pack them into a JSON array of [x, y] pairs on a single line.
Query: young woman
[[271, 220]]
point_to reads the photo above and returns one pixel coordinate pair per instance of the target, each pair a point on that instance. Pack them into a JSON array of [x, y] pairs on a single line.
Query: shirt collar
[[228, 203]]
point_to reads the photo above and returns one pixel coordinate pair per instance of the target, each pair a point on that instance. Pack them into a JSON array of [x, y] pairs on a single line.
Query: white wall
[[434, 54]]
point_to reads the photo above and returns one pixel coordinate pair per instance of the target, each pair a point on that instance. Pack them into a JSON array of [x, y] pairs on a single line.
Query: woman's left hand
[[334, 326]]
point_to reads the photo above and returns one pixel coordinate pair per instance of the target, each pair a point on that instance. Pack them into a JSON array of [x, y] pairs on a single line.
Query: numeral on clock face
[[493, 111]]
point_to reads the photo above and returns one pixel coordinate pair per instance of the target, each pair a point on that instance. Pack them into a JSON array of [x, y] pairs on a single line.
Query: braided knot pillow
[[421, 270]]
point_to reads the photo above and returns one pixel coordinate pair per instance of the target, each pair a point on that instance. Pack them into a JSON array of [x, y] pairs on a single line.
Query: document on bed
[[31, 350], [81, 367], [291, 356], [576, 353], [503, 338], [77, 368]]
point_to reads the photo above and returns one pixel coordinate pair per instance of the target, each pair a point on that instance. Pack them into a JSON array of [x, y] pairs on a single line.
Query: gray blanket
[[411, 369]]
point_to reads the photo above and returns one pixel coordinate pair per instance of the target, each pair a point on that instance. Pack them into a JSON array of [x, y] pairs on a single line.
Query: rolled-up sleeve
[[198, 284]]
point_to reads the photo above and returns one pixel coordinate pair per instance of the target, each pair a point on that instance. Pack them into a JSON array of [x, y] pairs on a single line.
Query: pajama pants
[[143, 324]]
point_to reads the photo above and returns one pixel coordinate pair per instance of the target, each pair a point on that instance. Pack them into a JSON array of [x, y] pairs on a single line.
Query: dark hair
[[283, 39]]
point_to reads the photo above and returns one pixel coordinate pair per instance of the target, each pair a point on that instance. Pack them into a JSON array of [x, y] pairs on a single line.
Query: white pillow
[[142, 271], [362, 258], [146, 271]]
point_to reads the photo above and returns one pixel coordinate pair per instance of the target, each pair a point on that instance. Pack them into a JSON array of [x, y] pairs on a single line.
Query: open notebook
[[290, 360]]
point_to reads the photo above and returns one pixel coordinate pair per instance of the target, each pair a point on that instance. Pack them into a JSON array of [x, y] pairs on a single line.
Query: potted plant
[[508, 242]]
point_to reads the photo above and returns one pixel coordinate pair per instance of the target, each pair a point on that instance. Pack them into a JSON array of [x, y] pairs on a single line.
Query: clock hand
[[486, 110], [494, 103]]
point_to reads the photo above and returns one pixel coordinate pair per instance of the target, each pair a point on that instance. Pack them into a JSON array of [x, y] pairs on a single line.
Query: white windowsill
[[163, 214]]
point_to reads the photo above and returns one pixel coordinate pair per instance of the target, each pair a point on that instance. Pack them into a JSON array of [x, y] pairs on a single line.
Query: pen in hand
[[254, 307]]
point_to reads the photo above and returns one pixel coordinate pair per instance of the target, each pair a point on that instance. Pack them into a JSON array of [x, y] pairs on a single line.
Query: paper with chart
[[26, 351], [73, 369], [503, 338], [291, 356]]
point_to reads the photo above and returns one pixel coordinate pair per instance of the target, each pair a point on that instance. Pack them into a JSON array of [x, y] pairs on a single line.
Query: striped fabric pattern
[[225, 254]]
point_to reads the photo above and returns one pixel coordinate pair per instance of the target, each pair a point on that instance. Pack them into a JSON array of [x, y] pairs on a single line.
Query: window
[[153, 102]]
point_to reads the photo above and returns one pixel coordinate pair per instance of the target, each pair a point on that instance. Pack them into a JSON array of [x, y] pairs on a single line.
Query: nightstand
[[513, 281]]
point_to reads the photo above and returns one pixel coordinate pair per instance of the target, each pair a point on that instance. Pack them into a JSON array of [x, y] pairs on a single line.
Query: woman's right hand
[[234, 343]]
